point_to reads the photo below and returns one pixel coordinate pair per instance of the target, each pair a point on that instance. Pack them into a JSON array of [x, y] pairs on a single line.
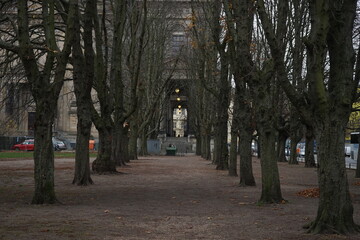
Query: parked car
[[300, 149], [58, 144], [347, 151], [27, 145]]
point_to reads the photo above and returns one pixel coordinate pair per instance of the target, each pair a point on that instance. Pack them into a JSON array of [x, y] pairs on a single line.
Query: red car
[[27, 145]]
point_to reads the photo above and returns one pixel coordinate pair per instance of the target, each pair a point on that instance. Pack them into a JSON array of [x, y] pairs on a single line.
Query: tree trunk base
[[101, 168], [221, 167], [247, 183], [44, 200], [83, 181], [269, 200], [233, 173], [320, 227]]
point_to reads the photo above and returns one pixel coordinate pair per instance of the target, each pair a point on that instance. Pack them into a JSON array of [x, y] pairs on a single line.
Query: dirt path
[[159, 198]]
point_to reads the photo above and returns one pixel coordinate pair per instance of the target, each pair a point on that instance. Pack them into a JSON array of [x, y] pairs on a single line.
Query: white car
[[58, 144]]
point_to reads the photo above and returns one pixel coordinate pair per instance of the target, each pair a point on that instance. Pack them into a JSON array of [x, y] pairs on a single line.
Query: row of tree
[[116, 53], [282, 62], [293, 67]]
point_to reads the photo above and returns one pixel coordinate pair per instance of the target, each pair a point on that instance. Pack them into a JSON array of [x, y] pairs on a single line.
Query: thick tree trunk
[[271, 192], [293, 149], [198, 144], [335, 211], [233, 153], [119, 153], [205, 147], [82, 159], [44, 154], [357, 172], [246, 171], [104, 162], [143, 146], [133, 143], [221, 148], [281, 147], [83, 64], [309, 149]]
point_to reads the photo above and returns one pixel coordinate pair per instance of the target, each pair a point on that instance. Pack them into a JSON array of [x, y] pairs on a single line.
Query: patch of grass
[[20, 154], [16, 154]]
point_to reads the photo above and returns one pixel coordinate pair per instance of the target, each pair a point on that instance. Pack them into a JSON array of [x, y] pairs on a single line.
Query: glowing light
[[177, 90], [178, 99], [179, 106]]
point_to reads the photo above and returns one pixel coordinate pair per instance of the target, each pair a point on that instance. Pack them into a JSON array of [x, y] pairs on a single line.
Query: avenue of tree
[[271, 70]]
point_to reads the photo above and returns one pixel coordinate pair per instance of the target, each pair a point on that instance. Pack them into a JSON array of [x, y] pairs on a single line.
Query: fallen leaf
[[309, 193], [356, 183]]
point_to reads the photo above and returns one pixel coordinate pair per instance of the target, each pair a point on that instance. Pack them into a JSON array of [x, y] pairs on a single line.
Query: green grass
[[21, 154]]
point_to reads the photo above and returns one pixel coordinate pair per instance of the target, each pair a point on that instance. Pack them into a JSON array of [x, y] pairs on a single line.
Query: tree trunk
[[133, 143], [44, 153], [206, 146], [309, 149], [119, 146], [335, 211], [281, 147], [295, 135], [246, 171], [104, 162], [82, 159], [357, 172], [233, 152], [198, 144], [293, 150], [83, 65], [221, 148], [271, 192], [143, 147]]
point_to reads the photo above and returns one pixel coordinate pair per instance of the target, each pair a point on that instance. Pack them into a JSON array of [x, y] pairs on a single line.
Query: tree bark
[[133, 142], [309, 148], [281, 146], [335, 206], [233, 152], [104, 163], [45, 85], [357, 172], [44, 153], [198, 143], [295, 135], [246, 171], [270, 192], [330, 103], [83, 72], [143, 146]]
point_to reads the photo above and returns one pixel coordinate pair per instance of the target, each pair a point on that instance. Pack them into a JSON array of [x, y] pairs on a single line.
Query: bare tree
[[44, 61], [329, 104]]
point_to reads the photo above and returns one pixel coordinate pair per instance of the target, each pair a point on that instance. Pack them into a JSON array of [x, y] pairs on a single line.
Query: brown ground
[[159, 198]]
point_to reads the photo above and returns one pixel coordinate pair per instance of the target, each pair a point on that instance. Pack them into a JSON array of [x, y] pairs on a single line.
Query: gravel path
[[159, 198]]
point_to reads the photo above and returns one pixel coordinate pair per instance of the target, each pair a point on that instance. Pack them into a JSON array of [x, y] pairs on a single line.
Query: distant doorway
[[180, 122]]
